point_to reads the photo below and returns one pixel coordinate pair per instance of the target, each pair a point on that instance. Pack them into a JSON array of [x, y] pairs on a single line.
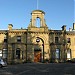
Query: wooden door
[[37, 56]]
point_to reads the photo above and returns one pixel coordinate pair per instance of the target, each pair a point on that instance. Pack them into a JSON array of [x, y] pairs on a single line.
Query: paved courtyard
[[39, 69]]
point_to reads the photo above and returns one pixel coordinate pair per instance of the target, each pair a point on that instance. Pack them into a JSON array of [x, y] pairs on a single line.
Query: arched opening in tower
[[38, 22]]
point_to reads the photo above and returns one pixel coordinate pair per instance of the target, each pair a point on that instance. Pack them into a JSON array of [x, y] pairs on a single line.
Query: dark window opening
[[5, 40], [18, 38], [18, 53], [56, 40], [68, 40]]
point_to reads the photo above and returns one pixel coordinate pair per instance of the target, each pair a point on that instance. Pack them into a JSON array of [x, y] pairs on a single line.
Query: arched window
[[69, 54], [18, 53], [57, 54], [38, 23]]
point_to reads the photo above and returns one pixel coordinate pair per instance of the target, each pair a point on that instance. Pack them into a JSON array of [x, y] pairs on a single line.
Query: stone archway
[[39, 50]]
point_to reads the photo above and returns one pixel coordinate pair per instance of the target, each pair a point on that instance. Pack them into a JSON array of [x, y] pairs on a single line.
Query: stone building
[[37, 44]]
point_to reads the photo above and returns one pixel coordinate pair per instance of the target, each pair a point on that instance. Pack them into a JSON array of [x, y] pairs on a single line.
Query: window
[[18, 38], [57, 53], [18, 53], [37, 39], [5, 39], [56, 39], [68, 40], [4, 53], [69, 54], [0, 53]]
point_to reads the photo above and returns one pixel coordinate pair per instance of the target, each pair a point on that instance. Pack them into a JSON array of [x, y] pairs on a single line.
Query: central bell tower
[[38, 37], [37, 14]]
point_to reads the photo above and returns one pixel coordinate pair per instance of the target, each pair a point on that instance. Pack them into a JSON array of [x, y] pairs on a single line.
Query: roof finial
[[37, 4]]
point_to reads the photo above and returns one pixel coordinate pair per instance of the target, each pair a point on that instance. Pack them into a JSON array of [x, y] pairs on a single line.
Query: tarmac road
[[39, 69]]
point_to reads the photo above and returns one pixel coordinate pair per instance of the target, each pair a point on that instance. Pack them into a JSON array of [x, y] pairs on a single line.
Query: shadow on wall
[[17, 46], [3, 45], [33, 48], [58, 47], [13, 45]]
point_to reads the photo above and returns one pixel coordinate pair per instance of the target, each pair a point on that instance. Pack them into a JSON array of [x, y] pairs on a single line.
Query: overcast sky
[[18, 13]]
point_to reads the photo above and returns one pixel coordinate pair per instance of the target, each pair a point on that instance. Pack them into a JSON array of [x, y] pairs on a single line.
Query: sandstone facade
[[37, 44]]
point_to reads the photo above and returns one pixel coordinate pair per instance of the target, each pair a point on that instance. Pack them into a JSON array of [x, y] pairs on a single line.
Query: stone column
[[33, 54]]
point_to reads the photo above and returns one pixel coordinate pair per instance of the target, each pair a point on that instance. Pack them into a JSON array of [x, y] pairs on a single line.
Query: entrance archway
[[39, 50]]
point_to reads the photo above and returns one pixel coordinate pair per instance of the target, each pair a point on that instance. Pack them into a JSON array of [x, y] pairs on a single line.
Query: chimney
[[64, 27], [10, 26], [73, 26]]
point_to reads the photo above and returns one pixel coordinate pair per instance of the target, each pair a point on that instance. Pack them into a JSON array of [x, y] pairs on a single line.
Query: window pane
[[4, 53], [57, 53], [18, 53], [69, 54], [0, 53], [56, 39], [18, 38]]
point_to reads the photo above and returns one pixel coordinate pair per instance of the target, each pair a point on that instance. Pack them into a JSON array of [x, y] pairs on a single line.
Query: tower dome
[[38, 11]]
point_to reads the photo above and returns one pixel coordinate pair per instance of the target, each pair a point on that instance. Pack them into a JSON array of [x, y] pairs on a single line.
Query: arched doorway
[[39, 50]]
